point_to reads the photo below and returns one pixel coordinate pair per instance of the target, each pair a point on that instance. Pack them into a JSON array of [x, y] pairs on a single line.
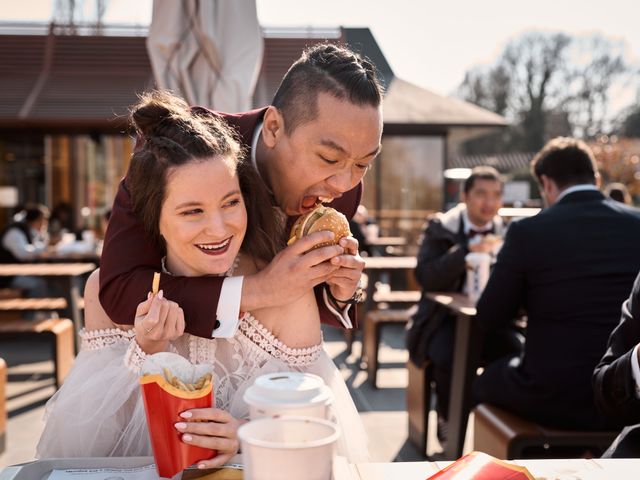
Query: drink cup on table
[[288, 448], [478, 269]]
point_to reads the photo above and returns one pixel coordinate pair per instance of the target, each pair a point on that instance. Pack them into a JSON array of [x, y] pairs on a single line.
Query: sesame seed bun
[[320, 219]]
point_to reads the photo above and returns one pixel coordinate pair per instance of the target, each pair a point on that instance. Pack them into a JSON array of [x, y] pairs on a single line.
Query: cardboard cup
[[478, 269], [288, 448]]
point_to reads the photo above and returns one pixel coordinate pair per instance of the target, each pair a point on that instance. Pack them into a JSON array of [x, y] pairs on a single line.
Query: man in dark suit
[[569, 268], [315, 143], [616, 379], [447, 239]]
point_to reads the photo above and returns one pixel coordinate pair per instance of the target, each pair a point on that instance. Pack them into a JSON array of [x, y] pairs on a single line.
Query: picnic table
[[70, 276]]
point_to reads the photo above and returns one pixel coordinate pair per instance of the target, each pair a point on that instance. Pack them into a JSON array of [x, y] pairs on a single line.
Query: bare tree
[[547, 85]]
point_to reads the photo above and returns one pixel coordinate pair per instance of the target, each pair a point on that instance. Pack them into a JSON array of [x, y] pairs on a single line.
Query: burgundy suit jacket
[[129, 259]]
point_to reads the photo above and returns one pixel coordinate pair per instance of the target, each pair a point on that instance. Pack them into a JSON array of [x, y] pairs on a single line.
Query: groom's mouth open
[[218, 248]]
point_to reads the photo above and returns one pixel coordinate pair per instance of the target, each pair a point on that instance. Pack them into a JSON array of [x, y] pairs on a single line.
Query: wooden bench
[[373, 322], [59, 332], [507, 436], [32, 304], [3, 405]]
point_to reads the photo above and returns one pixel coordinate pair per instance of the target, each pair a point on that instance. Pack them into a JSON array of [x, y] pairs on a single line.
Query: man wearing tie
[[447, 239]]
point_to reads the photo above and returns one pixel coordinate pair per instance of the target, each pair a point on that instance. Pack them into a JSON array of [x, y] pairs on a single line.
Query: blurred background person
[[24, 240], [359, 228], [619, 193], [60, 222], [447, 239]]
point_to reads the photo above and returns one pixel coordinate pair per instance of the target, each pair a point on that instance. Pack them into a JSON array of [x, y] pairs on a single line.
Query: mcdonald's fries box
[[112, 468]]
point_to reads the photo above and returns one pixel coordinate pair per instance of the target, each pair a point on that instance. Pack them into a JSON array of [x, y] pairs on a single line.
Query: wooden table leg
[[369, 304], [466, 358]]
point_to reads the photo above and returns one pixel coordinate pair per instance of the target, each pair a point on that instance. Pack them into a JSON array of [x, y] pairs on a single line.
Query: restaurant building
[[64, 134]]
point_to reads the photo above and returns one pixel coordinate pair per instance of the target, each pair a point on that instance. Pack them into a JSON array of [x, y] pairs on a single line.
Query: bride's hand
[[211, 428], [158, 321]]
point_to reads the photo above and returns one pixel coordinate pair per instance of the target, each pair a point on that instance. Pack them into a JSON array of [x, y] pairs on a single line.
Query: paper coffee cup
[[288, 448], [478, 269], [288, 393]]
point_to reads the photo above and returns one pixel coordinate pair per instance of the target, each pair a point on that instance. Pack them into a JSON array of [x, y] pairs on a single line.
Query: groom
[[315, 142]]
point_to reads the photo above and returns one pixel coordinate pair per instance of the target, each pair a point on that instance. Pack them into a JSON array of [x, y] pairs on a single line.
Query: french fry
[[155, 286]]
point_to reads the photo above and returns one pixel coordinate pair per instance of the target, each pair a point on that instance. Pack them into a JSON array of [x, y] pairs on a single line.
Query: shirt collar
[[467, 225], [576, 188]]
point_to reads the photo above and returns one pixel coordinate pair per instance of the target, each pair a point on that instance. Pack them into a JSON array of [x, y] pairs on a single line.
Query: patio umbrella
[[209, 52]]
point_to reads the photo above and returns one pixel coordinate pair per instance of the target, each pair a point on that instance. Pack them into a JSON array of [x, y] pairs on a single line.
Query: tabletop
[[46, 269], [389, 263]]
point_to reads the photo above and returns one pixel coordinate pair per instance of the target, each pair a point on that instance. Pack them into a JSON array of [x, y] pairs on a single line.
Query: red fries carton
[[170, 385], [480, 466]]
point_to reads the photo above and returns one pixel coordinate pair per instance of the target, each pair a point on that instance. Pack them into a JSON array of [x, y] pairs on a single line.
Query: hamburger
[[318, 220]]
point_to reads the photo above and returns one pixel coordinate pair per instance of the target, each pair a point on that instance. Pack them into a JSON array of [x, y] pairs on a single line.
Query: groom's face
[[325, 157]]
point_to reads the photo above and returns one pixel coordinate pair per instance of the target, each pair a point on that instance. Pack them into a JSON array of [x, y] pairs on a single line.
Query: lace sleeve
[[134, 357]]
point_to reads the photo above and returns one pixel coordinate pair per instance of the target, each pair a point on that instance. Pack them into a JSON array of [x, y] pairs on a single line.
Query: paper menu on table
[[147, 472]]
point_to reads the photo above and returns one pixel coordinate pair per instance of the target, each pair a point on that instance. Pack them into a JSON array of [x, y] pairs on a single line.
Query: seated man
[[616, 379], [22, 241], [569, 268], [447, 239]]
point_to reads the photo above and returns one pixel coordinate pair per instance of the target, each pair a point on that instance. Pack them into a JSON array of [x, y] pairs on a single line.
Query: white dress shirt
[[18, 244]]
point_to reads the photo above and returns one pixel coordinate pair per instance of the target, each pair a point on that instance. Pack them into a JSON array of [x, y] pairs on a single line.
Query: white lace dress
[[99, 411]]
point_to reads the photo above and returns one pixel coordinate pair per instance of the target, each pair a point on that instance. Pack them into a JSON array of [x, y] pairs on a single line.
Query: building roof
[[88, 81], [504, 162], [64, 80], [406, 103]]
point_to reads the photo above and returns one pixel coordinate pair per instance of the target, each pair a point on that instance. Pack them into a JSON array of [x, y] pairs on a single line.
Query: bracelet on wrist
[[355, 298]]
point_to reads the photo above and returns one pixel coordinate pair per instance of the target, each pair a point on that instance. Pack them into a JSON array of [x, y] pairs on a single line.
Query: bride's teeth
[[215, 247], [325, 199]]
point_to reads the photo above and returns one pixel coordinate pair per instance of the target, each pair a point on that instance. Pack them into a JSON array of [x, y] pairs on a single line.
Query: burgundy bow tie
[[472, 233]]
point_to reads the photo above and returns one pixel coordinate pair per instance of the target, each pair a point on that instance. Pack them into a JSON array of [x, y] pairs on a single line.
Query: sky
[[428, 42]]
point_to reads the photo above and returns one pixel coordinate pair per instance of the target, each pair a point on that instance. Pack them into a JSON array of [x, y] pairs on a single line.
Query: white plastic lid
[[294, 389]]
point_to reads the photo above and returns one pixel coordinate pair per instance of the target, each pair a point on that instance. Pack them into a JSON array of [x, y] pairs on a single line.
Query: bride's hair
[[169, 134]]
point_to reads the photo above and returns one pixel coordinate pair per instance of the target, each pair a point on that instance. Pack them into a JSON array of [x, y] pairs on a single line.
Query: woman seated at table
[[198, 209]]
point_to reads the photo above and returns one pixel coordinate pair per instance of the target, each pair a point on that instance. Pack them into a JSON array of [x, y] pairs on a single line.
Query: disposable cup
[[478, 269], [288, 448], [288, 393]]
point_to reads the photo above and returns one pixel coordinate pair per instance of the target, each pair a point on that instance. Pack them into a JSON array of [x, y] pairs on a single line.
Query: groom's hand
[[292, 273], [344, 281]]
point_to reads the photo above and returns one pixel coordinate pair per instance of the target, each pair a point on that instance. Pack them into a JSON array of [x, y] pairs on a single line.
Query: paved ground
[[383, 410]]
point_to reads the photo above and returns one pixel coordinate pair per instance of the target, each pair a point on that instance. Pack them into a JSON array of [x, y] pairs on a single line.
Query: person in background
[[447, 239], [619, 193], [358, 226], [616, 379], [24, 240], [569, 268], [60, 222]]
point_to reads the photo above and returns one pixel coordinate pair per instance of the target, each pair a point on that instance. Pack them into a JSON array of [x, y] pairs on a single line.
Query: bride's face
[[203, 218]]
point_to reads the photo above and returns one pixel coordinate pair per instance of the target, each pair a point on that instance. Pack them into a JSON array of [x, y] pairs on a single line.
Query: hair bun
[[158, 109]]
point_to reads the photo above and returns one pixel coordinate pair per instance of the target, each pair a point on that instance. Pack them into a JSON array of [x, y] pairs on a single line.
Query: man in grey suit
[[569, 268]]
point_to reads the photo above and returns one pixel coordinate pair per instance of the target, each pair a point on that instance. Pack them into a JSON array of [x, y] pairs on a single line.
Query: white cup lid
[[288, 388]]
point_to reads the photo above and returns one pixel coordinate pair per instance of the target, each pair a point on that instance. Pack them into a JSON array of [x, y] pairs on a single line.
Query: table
[[374, 266], [69, 275], [466, 359]]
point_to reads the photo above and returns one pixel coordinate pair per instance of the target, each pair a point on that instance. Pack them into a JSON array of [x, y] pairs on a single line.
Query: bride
[[212, 216]]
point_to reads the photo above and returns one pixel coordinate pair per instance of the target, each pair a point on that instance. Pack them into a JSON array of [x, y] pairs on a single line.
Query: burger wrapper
[[163, 404], [480, 466]]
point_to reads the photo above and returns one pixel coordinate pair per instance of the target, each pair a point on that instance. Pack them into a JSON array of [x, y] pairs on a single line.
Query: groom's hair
[[326, 68], [169, 135]]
